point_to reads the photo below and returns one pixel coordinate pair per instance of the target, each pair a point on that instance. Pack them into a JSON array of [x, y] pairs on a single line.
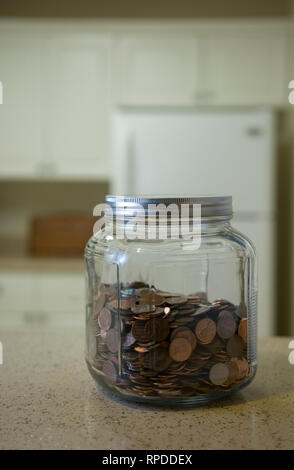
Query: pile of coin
[[153, 343]]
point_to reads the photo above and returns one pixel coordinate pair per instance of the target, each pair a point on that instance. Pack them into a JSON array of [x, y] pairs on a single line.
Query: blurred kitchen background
[[96, 93]]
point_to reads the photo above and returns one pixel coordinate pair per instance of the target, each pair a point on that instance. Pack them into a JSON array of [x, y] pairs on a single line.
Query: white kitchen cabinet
[[33, 298], [246, 69], [17, 290], [54, 121], [238, 67], [62, 292], [158, 69], [62, 80], [78, 105], [20, 113]]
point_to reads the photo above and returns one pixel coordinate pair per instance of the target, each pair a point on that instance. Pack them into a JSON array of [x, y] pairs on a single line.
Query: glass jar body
[[169, 322]]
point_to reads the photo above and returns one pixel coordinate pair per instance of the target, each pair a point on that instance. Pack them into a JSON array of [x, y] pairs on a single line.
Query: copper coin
[[105, 319], [141, 349], [102, 334], [99, 303], [158, 328], [176, 300], [243, 329], [109, 371], [241, 310], [143, 308], [226, 325], [138, 330], [157, 312], [187, 334], [205, 330], [128, 340], [219, 374], [234, 370], [244, 366], [177, 330], [124, 304], [180, 349], [112, 340], [151, 298], [238, 368], [216, 346], [202, 310], [158, 359], [155, 329], [235, 346], [202, 295]]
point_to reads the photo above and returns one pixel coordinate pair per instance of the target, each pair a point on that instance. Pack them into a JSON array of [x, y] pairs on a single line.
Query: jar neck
[[215, 226]]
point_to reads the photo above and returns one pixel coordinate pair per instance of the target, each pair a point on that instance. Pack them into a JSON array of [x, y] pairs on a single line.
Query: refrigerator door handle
[[254, 131]]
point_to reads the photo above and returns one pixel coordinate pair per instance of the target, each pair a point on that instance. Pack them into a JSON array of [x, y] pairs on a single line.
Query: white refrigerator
[[203, 152]]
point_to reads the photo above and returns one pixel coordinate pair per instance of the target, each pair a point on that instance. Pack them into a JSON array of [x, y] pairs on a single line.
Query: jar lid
[[211, 206]]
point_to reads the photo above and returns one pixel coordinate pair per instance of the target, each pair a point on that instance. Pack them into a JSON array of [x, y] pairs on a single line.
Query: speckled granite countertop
[[48, 401]]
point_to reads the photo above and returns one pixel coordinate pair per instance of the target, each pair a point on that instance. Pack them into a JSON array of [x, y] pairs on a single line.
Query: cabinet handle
[[31, 317], [205, 95], [46, 168], [254, 131]]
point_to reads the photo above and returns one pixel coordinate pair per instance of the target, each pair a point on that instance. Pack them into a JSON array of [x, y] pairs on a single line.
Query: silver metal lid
[[211, 206]]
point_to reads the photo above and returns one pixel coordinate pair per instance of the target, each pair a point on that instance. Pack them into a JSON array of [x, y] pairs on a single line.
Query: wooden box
[[61, 235]]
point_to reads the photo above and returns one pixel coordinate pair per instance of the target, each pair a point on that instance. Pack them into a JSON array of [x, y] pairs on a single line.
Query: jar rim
[[211, 206]]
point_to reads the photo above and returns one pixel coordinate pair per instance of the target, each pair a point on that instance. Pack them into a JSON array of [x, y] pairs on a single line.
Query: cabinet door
[[248, 69], [158, 69], [20, 113], [16, 291], [79, 105], [41, 299], [62, 292]]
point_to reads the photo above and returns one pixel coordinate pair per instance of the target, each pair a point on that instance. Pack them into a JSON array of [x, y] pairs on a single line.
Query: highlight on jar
[[169, 321]]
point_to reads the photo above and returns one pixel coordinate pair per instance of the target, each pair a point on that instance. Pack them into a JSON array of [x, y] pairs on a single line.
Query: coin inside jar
[[226, 325], [180, 349], [238, 368], [151, 298], [176, 300], [205, 330], [143, 308], [176, 331], [159, 328], [235, 346], [112, 340], [109, 371], [171, 349], [128, 340], [219, 374], [155, 329], [187, 334], [123, 304], [243, 329], [158, 359], [105, 319]]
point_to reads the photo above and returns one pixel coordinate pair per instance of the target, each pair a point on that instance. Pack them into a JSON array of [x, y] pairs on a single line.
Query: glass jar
[[171, 316]]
